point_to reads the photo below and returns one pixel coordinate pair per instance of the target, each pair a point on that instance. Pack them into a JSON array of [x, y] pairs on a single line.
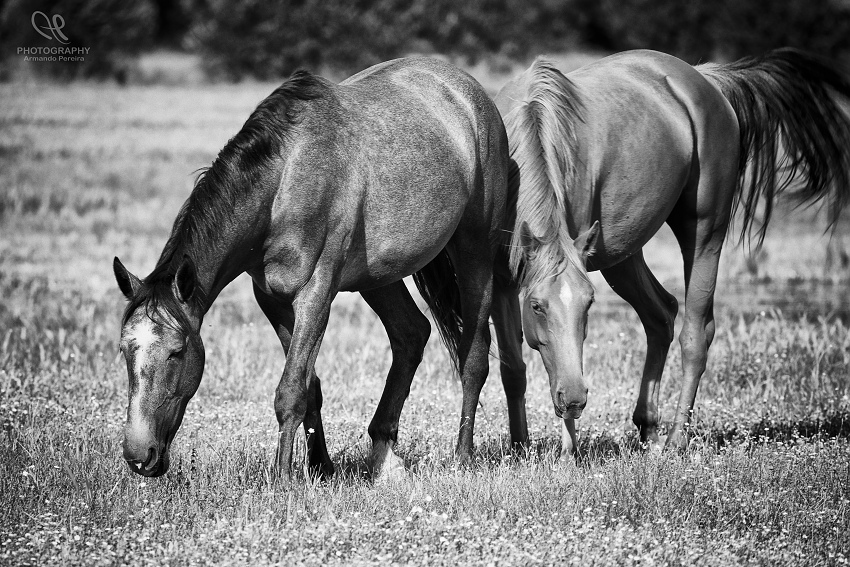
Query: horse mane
[[244, 160], [542, 138]]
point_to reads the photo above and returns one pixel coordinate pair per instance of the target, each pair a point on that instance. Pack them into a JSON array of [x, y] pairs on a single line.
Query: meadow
[[91, 171]]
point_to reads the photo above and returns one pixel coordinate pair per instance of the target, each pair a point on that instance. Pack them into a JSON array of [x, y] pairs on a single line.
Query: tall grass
[[87, 173]]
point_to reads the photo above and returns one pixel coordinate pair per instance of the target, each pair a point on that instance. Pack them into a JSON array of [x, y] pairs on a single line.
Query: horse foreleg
[[311, 309], [507, 321], [282, 317], [633, 281], [569, 441], [408, 330]]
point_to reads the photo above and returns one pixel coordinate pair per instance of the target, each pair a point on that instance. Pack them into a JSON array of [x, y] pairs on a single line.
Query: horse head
[[165, 361], [557, 297]]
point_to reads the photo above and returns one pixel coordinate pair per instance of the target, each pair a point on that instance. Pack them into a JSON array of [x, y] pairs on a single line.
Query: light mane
[[542, 138]]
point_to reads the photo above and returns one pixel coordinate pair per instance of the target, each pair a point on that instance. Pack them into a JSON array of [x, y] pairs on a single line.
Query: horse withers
[[399, 170], [610, 152]]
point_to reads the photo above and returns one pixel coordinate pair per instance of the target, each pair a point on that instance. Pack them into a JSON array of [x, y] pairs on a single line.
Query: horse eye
[[177, 353], [536, 307]]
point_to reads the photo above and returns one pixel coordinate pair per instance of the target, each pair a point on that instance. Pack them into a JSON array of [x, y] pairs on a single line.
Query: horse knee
[[290, 405]]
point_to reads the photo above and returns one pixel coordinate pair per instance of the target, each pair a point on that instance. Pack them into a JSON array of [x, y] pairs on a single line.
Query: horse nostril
[[152, 458], [561, 402]]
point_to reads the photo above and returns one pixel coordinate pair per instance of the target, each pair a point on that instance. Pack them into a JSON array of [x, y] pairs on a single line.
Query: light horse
[[608, 153], [401, 169]]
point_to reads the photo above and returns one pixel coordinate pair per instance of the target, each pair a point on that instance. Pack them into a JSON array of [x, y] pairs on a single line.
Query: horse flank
[[543, 143], [237, 168]]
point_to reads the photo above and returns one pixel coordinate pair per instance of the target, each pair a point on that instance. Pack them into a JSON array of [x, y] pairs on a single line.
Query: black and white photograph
[[259, 258]]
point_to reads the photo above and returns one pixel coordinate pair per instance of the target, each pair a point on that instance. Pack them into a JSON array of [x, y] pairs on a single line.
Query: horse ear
[[586, 241], [185, 280], [527, 240], [127, 282]]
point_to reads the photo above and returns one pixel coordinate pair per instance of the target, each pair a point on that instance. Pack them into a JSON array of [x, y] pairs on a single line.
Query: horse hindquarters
[[700, 220]]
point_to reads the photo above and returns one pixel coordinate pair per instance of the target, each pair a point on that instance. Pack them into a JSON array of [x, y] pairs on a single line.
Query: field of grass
[[88, 172]]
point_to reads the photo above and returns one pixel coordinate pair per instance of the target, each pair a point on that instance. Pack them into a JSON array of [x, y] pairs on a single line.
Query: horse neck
[[231, 246]]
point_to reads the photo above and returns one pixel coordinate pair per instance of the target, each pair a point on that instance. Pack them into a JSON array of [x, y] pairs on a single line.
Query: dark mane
[[244, 160]]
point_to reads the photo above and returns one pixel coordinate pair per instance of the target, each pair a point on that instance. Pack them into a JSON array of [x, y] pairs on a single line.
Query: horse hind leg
[[475, 280], [700, 238], [408, 330], [634, 282]]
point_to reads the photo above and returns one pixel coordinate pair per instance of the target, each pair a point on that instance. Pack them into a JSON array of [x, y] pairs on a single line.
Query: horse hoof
[[391, 470], [676, 441], [567, 459], [324, 471]]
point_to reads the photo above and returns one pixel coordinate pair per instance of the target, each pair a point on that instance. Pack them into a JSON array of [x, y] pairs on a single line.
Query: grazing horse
[[399, 170], [608, 153]]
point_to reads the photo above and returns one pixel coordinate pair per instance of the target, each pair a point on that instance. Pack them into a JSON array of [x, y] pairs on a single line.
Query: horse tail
[[437, 283], [542, 140], [792, 128]]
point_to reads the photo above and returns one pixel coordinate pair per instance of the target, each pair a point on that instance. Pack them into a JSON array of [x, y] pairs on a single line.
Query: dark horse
[[612, 151], [399, 170]]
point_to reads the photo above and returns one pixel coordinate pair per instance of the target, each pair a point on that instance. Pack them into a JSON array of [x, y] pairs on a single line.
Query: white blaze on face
[[565, 293], [141, 338]]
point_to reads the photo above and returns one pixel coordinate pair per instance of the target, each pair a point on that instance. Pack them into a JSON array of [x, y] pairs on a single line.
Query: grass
[[88, 172]]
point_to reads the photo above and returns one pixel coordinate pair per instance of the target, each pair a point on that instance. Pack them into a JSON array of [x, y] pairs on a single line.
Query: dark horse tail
[[437, 283], [792, 128]]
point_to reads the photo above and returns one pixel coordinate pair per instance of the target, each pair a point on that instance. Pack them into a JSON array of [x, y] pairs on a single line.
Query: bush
[[271, 39], [717, 30]]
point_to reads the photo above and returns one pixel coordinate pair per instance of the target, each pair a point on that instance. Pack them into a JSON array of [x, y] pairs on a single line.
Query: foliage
[[716, 30], [270, 39], [265, 39]]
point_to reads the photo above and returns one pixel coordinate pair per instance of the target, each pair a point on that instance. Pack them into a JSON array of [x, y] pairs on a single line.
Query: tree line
[[270, 39]]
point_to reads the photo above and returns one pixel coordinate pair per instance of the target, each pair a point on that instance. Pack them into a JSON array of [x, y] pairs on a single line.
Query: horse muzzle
[[570, 408], [145, 455]]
